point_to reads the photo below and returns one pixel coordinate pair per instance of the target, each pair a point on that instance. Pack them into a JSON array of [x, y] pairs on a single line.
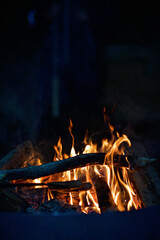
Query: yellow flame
[[58, 151], [117, 179]]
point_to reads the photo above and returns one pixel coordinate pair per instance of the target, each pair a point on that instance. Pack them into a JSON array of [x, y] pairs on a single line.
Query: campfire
[[96, 179]]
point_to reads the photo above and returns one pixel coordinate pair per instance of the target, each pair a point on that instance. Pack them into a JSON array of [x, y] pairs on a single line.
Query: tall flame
[[117, 179]]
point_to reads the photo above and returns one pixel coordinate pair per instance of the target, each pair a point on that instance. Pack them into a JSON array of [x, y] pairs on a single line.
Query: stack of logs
[[143, 174]]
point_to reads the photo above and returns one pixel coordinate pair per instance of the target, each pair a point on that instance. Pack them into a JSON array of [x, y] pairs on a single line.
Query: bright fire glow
[[117, 179]]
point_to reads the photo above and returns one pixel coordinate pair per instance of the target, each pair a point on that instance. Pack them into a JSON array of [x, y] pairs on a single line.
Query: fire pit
[[107, 175], [102, 177]]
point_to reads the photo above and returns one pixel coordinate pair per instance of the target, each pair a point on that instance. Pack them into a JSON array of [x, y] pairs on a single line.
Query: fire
[[37, 180], [117, 179]]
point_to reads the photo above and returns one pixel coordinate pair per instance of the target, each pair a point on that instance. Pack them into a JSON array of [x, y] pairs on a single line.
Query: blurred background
[[68, 59]]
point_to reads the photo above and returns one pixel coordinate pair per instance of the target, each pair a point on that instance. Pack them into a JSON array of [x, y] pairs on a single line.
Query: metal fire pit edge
[[141, 224]]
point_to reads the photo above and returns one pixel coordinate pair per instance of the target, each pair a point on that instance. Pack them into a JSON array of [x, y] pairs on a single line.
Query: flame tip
[[117, 179]]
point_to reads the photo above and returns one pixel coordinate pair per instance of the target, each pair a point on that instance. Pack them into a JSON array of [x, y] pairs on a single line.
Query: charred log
[[47, 169], [67, 186], [145, 186], [104, 196]]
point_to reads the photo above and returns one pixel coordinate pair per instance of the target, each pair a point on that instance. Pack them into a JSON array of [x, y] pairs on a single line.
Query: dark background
[[103, 53]]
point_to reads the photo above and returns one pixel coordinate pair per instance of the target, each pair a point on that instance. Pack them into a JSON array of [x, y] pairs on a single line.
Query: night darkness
[[68, 59]]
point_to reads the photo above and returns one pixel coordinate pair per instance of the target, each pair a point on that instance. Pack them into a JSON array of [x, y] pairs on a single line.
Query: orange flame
[[118, 181]]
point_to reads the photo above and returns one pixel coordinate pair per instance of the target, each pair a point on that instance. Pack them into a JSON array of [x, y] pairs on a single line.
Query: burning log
[[104, 196], [33, 172], [68, 186], [145, 186]]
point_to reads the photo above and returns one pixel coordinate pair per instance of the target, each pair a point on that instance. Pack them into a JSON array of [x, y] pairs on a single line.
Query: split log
[[68, 186], [145, 185], [104, 195], [47, 169], [59, 185]]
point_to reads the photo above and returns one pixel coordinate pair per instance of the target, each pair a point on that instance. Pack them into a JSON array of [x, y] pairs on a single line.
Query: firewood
[[145, 186], [59, 185], [104, 195], [47, 169], [68, 186]]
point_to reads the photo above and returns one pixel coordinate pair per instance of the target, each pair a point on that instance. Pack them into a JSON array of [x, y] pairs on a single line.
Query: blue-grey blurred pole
[[55, 70], [56, 56], [66, 36]]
